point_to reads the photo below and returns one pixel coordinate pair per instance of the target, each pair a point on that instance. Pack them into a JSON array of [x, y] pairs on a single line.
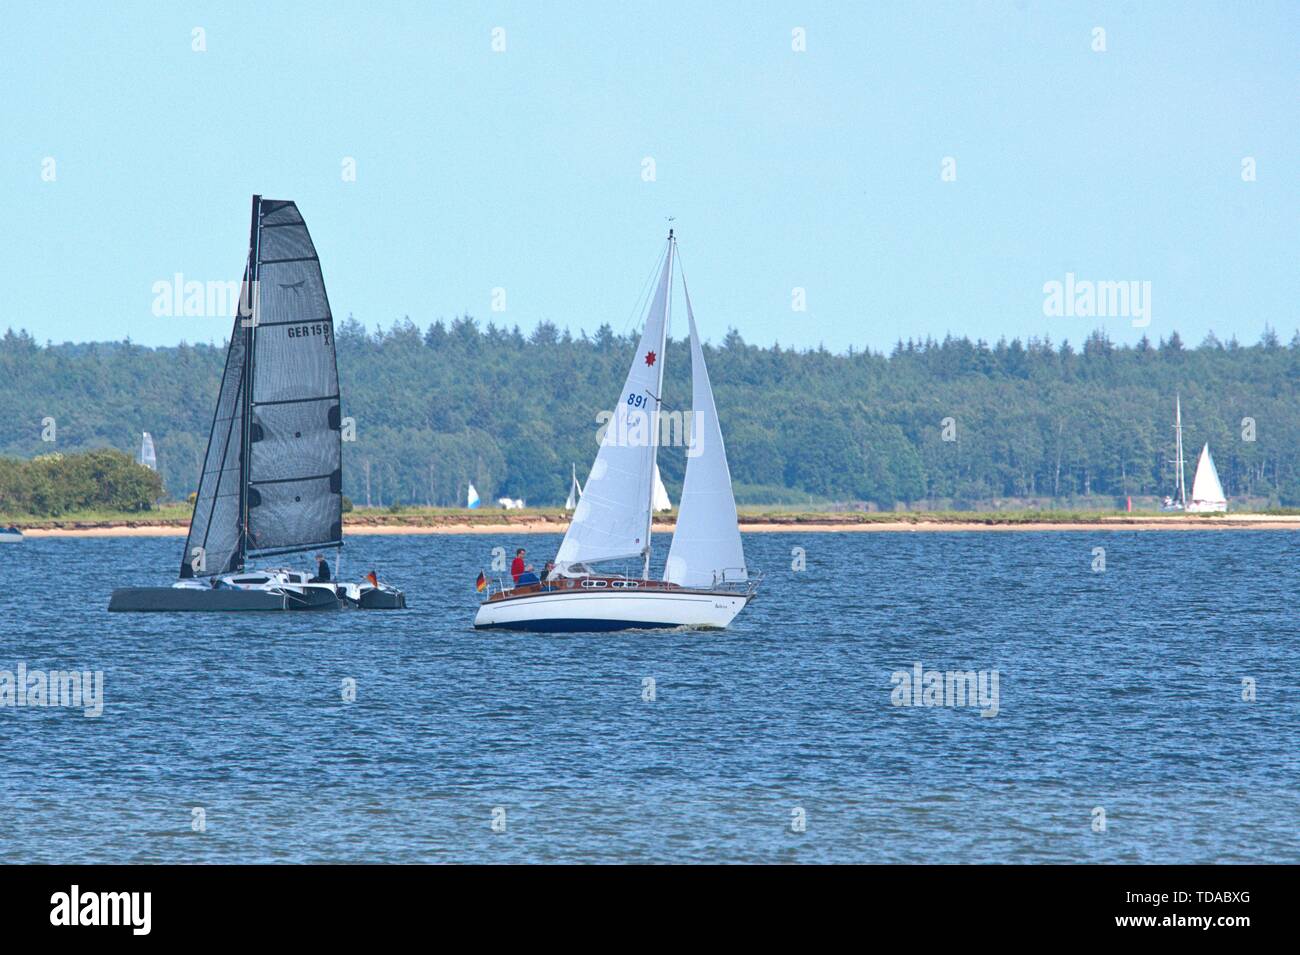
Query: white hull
[[1207, 507], [572, 611]]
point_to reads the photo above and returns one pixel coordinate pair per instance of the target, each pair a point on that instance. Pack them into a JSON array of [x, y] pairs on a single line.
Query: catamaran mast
[[247, 325], [1178, 438], [658, 398]]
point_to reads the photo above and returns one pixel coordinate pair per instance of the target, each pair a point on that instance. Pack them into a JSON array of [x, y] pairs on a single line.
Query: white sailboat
[[705, 582], [471, 497], [575, 492], [148, 456], [1207, 491], [661, 501]]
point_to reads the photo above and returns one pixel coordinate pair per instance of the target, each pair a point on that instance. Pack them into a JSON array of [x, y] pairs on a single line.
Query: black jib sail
[[272, 477]]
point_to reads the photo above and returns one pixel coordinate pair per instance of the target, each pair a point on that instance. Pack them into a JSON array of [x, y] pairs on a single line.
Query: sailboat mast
[[247, 325], [1178, 437], [658, 397]]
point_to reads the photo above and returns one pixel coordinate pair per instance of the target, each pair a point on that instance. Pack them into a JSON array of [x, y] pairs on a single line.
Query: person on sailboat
[[322, 571], [522, 572]]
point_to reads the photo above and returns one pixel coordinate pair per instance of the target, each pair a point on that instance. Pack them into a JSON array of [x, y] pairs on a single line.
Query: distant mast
[[1178, 440]]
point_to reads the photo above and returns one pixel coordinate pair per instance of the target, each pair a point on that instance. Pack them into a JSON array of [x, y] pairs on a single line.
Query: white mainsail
[[706, 548], [1207, 491], [661, 502], [148, 456], [471, 497], [612, 521], [575, 491]]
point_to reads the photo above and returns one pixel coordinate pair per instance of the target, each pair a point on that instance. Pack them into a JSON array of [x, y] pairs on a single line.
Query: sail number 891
[[637, 401]]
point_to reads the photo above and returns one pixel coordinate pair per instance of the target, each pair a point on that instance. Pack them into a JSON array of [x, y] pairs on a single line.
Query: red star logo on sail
[[650, 358]]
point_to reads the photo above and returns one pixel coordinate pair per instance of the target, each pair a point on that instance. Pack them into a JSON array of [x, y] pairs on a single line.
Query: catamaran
[[705, 582], [1207, 491], [272, 476]]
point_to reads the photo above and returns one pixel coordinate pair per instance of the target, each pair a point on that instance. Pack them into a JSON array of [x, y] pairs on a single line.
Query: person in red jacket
[[520, 571]]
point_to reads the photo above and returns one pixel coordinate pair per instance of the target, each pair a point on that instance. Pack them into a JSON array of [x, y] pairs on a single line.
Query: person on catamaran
[[521, 572], [322, 571]]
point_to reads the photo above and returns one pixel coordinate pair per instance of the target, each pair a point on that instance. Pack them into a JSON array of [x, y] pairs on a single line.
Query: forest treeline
[[951, 422]]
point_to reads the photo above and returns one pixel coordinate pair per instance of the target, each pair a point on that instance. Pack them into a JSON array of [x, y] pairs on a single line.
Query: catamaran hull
[[386, 599], [584, 612], [194, 600]]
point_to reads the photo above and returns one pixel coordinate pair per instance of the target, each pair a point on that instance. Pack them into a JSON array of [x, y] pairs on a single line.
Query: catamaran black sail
[[272, 480]]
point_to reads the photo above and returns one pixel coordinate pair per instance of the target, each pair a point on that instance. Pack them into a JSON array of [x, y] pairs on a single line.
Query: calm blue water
[[1119, 689]]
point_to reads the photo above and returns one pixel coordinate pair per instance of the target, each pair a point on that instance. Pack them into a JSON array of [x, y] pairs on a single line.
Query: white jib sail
[[706, 548], [612, 520], [471, 497], [148, 456], [1206, 488], [661, 502]]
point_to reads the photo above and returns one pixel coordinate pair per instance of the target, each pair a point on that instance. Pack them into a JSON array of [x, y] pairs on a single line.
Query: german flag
[[481, 584]]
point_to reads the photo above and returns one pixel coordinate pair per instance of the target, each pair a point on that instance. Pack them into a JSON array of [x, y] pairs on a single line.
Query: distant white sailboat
[[575, 492], [471, 497], [1207, 491], [705, 582], [148, 456], [661, 501]]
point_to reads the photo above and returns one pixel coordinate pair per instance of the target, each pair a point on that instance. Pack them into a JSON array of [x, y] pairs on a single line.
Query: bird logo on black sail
[[294, 287]]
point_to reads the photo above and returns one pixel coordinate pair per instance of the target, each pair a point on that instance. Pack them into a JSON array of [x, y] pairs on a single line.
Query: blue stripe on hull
[[576, 626]]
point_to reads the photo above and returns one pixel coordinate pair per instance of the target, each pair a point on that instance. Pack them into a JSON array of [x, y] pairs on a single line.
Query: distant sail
[[471, 499], [148, 456], [661, 501], [575, 492], [1207, 491], [706, 547], [612, 521]]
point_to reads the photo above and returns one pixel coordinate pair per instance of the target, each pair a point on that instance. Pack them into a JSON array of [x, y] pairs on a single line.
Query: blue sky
[[523, 169]]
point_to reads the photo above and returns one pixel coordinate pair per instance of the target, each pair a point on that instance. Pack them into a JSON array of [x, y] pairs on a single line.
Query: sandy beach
[[850, 524]]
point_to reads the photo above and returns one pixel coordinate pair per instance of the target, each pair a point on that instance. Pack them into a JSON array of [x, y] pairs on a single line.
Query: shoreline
[[759, 525]]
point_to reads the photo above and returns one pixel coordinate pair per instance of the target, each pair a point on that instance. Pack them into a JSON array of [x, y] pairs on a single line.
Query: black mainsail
[[272, 477]]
